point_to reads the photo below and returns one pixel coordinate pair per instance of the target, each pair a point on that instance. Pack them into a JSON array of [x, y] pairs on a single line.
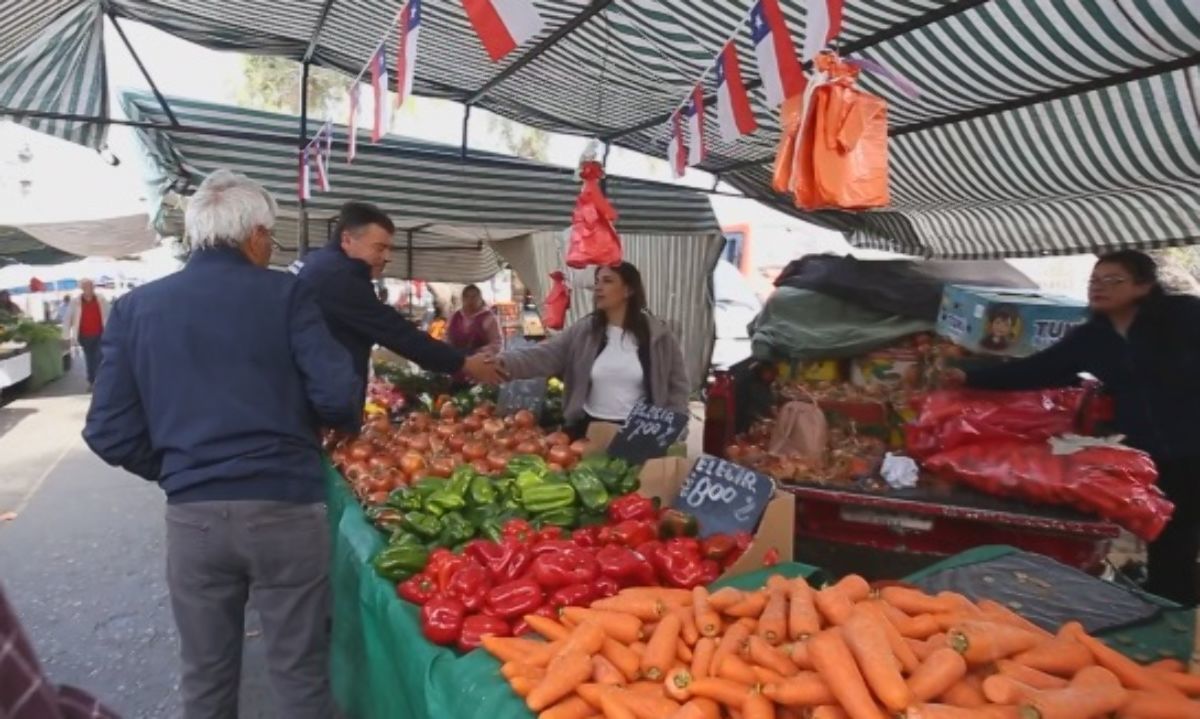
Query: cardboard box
[[663, 478], [1010, 323]]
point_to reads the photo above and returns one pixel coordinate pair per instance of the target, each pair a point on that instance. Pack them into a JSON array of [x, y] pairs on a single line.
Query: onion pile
[[386, 456]]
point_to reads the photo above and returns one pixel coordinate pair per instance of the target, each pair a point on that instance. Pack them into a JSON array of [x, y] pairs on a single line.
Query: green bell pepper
[[423, 525], [527, 463], [566, 517], [460, 481], [545, 497], [406, 499], [440, 503], [386, 519], [427, 486], [398, 562], [455, 530], [405, 538], [592, 518], [527, 479], [591, 491], [481, 492], [478, 515], [492, 529]]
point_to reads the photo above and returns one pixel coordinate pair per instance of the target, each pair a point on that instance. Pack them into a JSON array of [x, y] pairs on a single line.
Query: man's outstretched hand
[[484, 369]]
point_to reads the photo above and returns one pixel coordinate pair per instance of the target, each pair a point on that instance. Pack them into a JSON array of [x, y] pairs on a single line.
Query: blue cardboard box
[[1010, 323]]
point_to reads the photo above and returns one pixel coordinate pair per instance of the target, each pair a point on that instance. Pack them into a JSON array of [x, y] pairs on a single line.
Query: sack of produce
[[1098, 477], [801, 429], [952, 418]]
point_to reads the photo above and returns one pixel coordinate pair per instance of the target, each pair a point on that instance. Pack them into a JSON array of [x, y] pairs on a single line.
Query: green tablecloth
[[383, 667]]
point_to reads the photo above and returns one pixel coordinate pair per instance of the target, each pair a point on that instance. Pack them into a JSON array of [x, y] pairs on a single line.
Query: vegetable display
[[841, 652]]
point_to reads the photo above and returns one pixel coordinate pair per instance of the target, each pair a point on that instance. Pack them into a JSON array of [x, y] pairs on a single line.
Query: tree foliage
[[273, 83], [521, 140]]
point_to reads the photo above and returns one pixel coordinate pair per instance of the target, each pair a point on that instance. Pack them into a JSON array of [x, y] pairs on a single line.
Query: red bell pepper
[[586, 537], [418, 589], [625, 567], [574, 566], [548, 533], [518, 530], [631, 506], [553, 546], [476, 627], [437, 558], [606, 587], [546, 610], [515, 599], [470, 585], [771, 558], [717, 547], [574, 595], [442, 620], [684, 545], [504, 561], [633, 532], [649, 549], [679, 568], [448, 567]]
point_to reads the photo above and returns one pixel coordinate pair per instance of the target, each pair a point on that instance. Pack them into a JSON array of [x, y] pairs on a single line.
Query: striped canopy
[[450, 208], [1041, 126]]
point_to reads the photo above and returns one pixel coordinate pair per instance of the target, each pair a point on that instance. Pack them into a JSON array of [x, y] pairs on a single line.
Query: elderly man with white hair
[[214, 383], [87, 314]]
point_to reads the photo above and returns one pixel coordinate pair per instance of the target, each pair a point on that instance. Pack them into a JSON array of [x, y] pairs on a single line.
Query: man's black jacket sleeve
[[352, 303]]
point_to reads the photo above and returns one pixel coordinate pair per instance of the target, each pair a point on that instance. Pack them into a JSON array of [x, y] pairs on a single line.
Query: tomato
[[561, 456], [474, 450], [441, 467], [360, 451], [419, 443], [456, 442], [524, 419], [380, 462], [493, 427], [356, 471], [449, 411], [580, 447], [558, 439], [472, 424], [378, 497], [498, 460], [420, 421], [412, 463], [446, 429], [528, 448], [482, 466]]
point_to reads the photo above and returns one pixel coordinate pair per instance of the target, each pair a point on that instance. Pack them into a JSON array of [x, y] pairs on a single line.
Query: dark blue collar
[[222, 254], [357, 266]]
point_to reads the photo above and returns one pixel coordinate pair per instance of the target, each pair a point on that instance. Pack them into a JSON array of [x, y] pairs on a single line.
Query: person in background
[[215, 382], [382, 293], [340, 275], [1144, 346], [86, 317], [474, 327], [618, 356], [7, 306]]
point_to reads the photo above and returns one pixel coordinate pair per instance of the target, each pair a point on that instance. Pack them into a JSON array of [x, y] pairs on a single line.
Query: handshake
[[485, 368]]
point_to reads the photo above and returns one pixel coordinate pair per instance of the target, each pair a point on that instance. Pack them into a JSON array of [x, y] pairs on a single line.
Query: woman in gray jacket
[[610, 360]]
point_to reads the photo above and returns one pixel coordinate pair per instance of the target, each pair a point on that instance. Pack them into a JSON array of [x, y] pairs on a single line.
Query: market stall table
[[891, 533]]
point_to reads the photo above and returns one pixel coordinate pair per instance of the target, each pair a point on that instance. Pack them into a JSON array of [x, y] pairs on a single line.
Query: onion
[[419, 442], [378, 497], [556, 439], [412, 463], [493, 427], [420, 421], [528, 448], [561, 456], [456, 442], [524, 419], [580, 447], [360, 451], [498, 460], [448, 411], [441, 467], [356, 471], [472, 423], [445, 429], [474, 450], [553, 467], [380, 462]]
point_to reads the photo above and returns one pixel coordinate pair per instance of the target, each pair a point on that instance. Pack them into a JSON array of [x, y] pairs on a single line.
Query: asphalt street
[[83, 563]]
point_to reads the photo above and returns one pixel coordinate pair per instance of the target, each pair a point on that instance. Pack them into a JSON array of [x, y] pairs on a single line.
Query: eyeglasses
[[274, 242], [1110, 281]]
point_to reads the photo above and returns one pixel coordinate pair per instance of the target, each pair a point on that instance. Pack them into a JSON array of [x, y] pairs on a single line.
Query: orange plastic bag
[[558, 301], [789, 125]]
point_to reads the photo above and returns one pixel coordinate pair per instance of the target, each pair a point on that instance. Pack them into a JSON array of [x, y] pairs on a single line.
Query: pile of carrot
[[790, 651]]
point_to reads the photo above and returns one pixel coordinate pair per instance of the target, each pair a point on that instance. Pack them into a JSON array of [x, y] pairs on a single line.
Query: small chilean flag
[[697, 144], [503, 25], [303, 186], [823, 24], [406, 59], [677, 154], [352, 125], [379, 83], [782, 76], [733, 104]]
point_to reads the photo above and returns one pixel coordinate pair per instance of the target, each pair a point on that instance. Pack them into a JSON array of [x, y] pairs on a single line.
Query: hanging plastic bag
[[558, 301], [801, 429], [593, 240], [1110, 480], [789, 125]]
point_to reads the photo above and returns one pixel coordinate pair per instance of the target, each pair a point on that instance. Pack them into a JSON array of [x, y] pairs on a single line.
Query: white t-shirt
[[617, 378]]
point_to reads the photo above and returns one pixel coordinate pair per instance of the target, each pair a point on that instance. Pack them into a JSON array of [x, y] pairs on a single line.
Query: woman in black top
[[1144, 345]]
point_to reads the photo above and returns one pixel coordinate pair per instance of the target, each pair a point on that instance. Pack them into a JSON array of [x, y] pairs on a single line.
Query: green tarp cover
[[798, 324]]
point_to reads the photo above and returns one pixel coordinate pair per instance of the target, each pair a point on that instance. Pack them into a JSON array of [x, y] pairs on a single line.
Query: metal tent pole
[[302, 235]]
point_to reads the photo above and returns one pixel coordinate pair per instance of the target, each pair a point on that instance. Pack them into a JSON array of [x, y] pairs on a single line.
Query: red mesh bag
[[593, 241]]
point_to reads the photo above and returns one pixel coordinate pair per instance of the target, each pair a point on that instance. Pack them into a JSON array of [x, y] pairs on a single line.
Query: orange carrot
[[949, 711], [757, 706], [919, 648], [623, 658], [798, 653], [547, 627], [1148, 705], [660, 650], [591, 692], [1187, 683], [1001, 689], [510, 649], [1131, 674], [751, 606], [1074, 702], [522, 685], [853, 587], [834, 606], [904, 653], [803, 619], [772, 623], [914, 601], [941, 670], [1095, 676], [865, 636], [698, 708], [677, 684], [983, 642], [1168, 665], [604, 672], [1028, 675], [765, 655], [998, 612], [625, 628], [734, 668], [722, 599], [683, 653], [806, 689], [586, 638], [570, 708], [835, 663], [613, 706], [723, 691], [734, 642], [688, 630], [968, 692], [667, 595], [766, 676], [919, 627], [646, 608], [565, 673], [1061, 656], [708, 621], [648, 688], [828, 711], [702, 656]]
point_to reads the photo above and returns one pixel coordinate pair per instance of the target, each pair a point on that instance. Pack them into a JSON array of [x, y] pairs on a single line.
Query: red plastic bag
[[1112, 481], [952, 418], [593, 239], [558, 301]]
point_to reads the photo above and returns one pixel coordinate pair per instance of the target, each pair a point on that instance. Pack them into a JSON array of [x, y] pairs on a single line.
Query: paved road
[[83, 563]]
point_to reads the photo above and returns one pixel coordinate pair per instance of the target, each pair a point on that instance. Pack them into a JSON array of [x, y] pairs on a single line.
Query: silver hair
[[226, 209]]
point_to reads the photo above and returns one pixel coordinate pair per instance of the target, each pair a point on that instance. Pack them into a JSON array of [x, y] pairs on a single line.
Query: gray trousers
[[221, 555]]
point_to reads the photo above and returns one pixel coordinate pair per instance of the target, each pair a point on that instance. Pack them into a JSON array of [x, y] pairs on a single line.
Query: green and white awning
[[450, 206], [1041, 126]]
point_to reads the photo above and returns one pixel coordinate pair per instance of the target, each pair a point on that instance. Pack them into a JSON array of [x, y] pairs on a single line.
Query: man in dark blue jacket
[[340, 276], [214, 382]]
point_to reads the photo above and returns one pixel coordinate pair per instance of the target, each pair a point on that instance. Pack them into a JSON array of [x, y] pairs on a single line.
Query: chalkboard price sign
[[522, 394], [724, 497], [648, 433]]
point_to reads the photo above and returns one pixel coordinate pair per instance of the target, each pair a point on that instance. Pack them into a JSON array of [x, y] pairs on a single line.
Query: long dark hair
[[636, 319], [1140, 266]]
